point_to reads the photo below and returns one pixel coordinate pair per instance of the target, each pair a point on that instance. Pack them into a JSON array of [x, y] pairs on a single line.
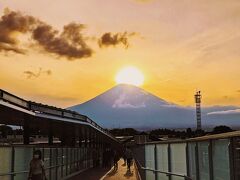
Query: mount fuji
[[128, 106]]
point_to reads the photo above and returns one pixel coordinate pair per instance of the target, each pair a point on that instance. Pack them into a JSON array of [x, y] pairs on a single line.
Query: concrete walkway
[[101, 174], [91, 174], [121, 173]]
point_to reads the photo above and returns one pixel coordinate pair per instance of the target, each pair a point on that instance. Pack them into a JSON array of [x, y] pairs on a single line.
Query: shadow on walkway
[[91, 174], [108, 174], [112, 172], [128, 174], [121, 173]]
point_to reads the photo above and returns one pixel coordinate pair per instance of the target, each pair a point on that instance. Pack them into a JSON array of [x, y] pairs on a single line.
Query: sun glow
[[130, 75]]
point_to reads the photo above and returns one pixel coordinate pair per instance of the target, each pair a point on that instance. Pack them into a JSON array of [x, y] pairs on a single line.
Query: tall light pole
[[198, 98]]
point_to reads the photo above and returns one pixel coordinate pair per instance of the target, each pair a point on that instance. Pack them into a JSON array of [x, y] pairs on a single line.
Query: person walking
[[37, 171], [115, 159], [129, 157]]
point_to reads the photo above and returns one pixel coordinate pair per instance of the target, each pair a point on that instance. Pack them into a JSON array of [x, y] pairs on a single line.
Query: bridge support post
[[95, 139], [26, 133], [85, 137], [80, 137], [63, 140], [50, 136], [155, 161], [72, 140], [90, 137]]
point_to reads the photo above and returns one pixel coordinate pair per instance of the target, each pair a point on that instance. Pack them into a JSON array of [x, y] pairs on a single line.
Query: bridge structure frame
[[77, 134]]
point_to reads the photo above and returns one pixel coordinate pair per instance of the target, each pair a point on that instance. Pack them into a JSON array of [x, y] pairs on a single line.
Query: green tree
[[221, 129], [5, 130]]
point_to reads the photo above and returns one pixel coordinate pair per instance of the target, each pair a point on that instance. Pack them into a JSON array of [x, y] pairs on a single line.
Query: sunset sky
[[180, 46]]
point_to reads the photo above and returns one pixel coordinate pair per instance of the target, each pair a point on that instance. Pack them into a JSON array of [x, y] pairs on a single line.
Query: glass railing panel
[[236, 157], [162, 160], [192, 160], [177, 178], [178, 160], [5, 161], [53, 162], [203, 157], [47, 161], [83, 158], [59, 163], [23, 156], [15, 100], [75, 159], [69, 161], [72, 160], [149, 161], [64, 162], [220, 153]]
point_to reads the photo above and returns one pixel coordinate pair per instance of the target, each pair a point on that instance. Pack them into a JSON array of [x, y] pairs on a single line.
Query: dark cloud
[[31, 74], [70, 43], [110, 39], [11, 23]]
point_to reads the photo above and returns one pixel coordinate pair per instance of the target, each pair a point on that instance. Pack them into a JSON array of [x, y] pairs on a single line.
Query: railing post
[[187, 159], [12, 163], [210, 158], [62, 163], [169, 161], [26, 132], [86, 137], [66, 160], [56, 168], [50, 162], [231, 158], [156, 161], [197, 162]]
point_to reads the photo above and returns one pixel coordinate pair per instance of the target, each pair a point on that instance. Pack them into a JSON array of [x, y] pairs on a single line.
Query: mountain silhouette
[[129, 106]]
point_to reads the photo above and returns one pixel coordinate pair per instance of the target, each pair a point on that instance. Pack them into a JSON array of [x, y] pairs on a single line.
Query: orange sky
[[180, 46]]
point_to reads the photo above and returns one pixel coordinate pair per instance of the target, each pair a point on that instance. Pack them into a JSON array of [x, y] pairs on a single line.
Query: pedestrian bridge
[[82, 141], [79, 152]]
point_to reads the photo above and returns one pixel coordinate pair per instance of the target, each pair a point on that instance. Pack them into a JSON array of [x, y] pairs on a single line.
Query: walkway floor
[[105, 174], [121, 173], [91, 174]]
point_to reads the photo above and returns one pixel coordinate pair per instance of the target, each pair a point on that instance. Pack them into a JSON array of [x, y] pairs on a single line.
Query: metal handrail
[[24, 172], [164, 172]]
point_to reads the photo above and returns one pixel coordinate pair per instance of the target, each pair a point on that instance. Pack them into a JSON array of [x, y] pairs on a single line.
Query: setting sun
[[130, 75]]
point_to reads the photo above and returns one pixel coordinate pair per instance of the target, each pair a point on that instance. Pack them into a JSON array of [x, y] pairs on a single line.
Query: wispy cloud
[[31, 74], [226, 112]]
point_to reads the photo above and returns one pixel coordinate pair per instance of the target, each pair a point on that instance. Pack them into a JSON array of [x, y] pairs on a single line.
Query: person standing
[[37, 171], [129, 157], [115, 159]]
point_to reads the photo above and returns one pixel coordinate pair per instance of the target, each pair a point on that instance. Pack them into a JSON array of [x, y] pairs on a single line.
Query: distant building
[[141, 138]]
